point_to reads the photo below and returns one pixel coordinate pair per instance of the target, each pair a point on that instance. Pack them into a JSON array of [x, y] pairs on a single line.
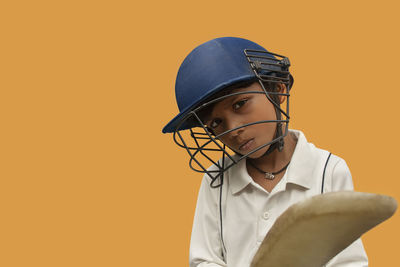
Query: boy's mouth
[[246, 144]]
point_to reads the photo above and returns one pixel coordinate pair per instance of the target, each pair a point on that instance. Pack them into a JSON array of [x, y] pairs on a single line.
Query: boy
[[233, 98]]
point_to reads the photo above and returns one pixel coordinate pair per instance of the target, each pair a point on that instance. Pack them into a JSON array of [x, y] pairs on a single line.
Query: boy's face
[[238, 110]]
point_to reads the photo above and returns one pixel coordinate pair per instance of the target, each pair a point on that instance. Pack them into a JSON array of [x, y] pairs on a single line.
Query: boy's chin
[[259, 153]]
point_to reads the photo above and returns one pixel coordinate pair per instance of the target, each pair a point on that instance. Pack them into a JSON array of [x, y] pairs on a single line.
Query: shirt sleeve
[[354, 255], [205, 243]]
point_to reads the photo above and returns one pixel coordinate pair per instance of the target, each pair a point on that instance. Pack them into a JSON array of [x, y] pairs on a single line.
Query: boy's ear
[[282, 89]]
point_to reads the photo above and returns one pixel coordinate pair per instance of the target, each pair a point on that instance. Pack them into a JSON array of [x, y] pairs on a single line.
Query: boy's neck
[[276, 159]]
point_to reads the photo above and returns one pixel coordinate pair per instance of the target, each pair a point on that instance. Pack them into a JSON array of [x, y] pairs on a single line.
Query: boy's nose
[[233, 125]]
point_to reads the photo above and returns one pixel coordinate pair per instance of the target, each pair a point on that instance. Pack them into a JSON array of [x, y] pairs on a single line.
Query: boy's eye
[[215, 123], [239, 104]]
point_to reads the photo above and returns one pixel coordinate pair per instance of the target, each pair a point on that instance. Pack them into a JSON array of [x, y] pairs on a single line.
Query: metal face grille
[[205, 148]]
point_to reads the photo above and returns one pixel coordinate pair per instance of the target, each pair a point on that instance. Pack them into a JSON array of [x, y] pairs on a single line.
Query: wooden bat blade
[[313, 231]]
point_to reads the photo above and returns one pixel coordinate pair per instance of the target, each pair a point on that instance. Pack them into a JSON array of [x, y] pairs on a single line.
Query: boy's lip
[[246, 144]]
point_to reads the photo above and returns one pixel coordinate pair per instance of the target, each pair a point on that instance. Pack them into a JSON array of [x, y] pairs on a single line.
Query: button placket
[[264, 224]]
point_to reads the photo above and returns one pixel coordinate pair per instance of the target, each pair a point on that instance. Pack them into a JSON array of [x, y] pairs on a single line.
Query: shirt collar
[[301, 167], [239, 178], [299, 171]]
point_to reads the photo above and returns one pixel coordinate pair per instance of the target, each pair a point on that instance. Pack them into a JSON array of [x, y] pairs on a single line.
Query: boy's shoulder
[[308, 149]]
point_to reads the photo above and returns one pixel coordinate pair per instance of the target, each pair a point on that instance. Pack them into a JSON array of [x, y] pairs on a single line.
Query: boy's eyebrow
[[229, 102]]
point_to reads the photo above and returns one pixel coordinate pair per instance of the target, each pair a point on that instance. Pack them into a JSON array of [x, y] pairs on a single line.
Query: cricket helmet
[[207, 70]]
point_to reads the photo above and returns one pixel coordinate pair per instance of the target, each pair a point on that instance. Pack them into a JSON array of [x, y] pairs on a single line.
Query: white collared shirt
[[249, 211]]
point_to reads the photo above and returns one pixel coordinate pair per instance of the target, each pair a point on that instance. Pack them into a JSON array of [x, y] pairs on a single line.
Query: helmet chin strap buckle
[[281, 143]]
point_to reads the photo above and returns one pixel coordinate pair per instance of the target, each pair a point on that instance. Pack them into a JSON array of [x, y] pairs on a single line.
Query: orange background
[[87, 178]]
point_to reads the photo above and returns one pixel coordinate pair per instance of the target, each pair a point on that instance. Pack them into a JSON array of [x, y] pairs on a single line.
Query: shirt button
[[266, 215]]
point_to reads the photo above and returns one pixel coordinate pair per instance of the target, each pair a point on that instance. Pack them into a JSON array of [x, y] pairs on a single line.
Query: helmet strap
[[279, 144], [278, 132]]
